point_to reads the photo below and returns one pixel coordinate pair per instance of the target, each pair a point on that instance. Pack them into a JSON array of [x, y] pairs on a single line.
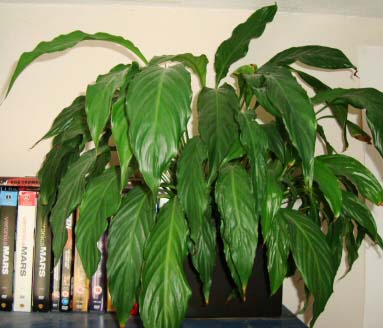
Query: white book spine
[[26, 221]]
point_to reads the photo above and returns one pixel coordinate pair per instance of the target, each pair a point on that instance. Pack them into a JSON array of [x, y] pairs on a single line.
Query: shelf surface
[[96, 320]]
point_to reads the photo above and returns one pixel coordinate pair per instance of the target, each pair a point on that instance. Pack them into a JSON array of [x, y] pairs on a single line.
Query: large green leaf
[[128, 232], [158, 107], [334, 237], [99, 99], [329, 185], [101, 200], [70, 123], [239, 222], [313, 55], [355, 209], [193, 192], [280, 92], [165, 291], [196, 63], [352, 242], [275, 142], [217, 109], [364, 98], [66, 41], [121, 138], [312, 256], [357, 173], [254, 139], [71, 190], [278, 250], [237, 45]]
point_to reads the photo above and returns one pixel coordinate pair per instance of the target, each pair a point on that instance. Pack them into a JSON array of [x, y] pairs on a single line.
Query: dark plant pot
[[259, 303]]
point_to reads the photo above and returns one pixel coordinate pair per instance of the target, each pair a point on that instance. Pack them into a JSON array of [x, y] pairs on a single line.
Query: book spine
[[42, 267], [80, 283], [56, 284], [109, 304], [98, 283], [26, 220], [67, 269], [8, 212]]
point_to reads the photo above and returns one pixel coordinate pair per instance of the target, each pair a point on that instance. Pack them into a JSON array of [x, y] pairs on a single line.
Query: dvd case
[[67, 269], [26, 220], [98, 283], [8, 212], [42, 266], [56, 286]]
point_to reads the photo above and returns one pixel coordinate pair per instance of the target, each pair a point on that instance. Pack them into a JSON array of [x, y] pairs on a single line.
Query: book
[[67, 269], [80, 282], [42, 265], [26, 219], [8, 212], [98, 283], [56, 286]]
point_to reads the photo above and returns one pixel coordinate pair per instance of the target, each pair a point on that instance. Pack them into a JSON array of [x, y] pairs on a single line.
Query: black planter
[[259, 303]]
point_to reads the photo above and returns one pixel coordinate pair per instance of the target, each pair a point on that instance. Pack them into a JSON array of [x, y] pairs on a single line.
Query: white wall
[[51, 83]]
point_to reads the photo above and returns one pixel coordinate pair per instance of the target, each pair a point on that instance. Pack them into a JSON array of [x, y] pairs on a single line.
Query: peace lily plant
[[255, 173]]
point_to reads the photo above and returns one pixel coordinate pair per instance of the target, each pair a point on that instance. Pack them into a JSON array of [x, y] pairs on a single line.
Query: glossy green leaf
[[313, 55], [66, 41], [355, 209], [70, 122], [236, 151], [329, 185], [239, 223], [357, 173], [352, 242], [101, 200], [165, 291], [312, 256], [71, 190], [217, 127], [329, 148], [254, 139], [275, 142], [335, 239], [99, 99], [272, 203], [237, 45], [128, 232], [364, 98], [281, 91], [193, 191], [158, 107], [357, 132], [278, 250], [196, 63], [121, 138]]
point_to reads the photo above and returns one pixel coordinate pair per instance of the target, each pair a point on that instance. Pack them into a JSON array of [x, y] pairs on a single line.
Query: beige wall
[[52, 82]]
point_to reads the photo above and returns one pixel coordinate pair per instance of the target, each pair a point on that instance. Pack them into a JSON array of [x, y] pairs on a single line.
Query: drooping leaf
[[237, 45], [357, 132], [128, 232], [312, 256], [357, 173], [217, 109], [281, 93], [196, 63], [254, 139], [352, 243], [236, 151], [70, 123], [71, 190], [364, 98], [335, 239], [329, 185], [275, 142], [239, 223], [66, 41], [158, 107], [101, 200], [329, 148], [355, 209], [99, 99], [121, 138], [313, 55], [278, 250], [165, 291]]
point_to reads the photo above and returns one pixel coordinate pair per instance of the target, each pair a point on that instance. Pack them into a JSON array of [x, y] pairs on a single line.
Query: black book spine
[[8, 214], [42, 265]]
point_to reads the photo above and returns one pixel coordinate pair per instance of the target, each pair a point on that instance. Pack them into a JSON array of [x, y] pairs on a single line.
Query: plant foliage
[[262, 176]]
